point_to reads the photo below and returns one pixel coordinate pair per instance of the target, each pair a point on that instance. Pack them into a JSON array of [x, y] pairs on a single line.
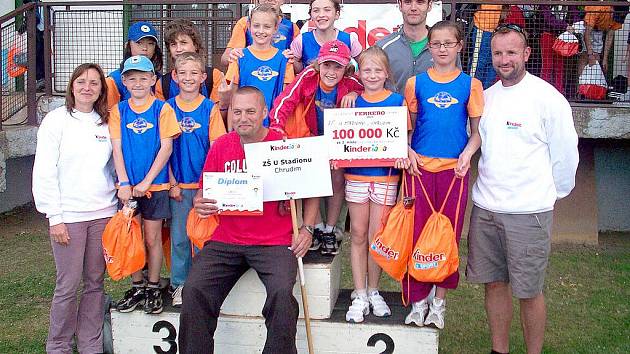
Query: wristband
[[124, 184]]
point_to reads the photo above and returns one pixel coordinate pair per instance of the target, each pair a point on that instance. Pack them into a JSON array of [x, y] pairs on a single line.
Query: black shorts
[[154, 208]]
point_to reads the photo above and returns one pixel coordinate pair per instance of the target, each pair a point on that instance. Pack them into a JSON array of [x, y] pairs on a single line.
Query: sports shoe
[[153, 304], [418, 313], [358, 310], [436, 313], [133, 297], [378, 305], [317, 240], [329, 244], [177, 296]]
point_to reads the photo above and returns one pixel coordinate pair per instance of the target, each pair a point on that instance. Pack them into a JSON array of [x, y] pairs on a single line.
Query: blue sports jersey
[[122, 90], [140, 141], [310, 47], [266, 75], [191, 147], [324, 100], [393, 100], [281, 39], [440, 129]]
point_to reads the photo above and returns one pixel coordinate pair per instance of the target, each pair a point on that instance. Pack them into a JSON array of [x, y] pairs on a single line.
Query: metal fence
[[17, 68], [95, 31]]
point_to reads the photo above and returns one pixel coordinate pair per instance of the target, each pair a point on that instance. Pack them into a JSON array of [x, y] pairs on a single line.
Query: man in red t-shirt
[[241, 242]]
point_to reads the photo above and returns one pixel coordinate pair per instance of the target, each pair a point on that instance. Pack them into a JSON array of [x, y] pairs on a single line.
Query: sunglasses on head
[[504, 27]]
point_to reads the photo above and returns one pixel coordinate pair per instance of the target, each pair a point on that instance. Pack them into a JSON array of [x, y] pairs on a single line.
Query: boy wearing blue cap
[[142, 130], [142, 39]]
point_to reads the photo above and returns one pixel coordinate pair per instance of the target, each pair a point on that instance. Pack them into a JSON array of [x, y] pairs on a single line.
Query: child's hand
[[415, 162], [124, 194], [205, 207], [463, 165], [225, 92], [348, 100], [235, 54], [140, 189], [288, 53], [176, 193]]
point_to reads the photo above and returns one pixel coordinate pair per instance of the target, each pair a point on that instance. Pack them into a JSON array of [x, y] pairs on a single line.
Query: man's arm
[[562, 140]]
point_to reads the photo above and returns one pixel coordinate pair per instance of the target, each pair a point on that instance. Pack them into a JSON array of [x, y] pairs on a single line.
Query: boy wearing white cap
[[142, 129]]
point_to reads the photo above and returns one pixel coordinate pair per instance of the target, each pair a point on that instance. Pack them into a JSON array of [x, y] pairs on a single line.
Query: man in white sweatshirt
[[528, 161]]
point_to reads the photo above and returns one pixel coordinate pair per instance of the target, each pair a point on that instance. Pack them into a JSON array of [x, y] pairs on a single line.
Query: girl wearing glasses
[[441, 101]]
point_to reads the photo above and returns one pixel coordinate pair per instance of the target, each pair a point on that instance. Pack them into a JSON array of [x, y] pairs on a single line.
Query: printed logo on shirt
[[323, 104], [264, 73], [235, 166], [513, 125], [101, 138], [278, 37], [140, 125], [188, 125], [443, 100]]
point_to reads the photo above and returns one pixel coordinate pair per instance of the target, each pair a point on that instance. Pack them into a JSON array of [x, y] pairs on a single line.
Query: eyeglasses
[[438, 45]]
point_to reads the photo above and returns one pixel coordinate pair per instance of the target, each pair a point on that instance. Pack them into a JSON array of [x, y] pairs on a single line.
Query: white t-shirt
[[529, 150], [73, 174]]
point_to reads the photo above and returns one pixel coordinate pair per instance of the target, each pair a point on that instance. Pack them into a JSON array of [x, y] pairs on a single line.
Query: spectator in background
[[554, 21], [601, 23], [485, 20]]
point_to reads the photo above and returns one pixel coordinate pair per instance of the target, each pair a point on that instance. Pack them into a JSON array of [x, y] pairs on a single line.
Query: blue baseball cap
[[140, 30], [138, 62]]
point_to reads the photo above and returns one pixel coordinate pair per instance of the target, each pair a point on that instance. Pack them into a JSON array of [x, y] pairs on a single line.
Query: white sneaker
[[436, 313], [379, 307], [418, 312], [177, 296], [358, 310]]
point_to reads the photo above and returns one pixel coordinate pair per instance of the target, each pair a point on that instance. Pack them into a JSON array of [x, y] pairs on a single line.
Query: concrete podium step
[[136, 332]]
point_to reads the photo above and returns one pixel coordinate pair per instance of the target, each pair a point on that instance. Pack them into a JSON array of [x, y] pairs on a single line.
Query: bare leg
[[374, 270], [359, 219], [334, 203], [440, 293], [137, 277], [533, 317], [153, 240], [499, 312]]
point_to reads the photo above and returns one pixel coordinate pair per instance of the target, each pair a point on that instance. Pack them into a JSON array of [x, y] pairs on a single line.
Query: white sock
[[320, 226], [372, 291], [361, 293], [329, 228]]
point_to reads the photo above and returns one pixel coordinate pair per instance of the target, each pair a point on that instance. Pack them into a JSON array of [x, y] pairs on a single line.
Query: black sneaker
[[133, 297], [153, 304], [317, 240], [329, 244]]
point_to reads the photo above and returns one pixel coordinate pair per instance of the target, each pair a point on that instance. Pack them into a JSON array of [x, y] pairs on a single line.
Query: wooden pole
[[307, 319]]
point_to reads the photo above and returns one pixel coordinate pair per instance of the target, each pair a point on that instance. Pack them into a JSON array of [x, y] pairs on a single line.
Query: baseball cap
[[140, 30], [137, 62], [336, 51]]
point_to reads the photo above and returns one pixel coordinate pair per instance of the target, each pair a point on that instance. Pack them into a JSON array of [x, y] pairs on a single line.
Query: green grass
[[587, 292]]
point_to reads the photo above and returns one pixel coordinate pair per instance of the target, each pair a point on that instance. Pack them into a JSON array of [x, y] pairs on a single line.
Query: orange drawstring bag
[[435, 255], [392, 243], [123, 246], [200, 230]]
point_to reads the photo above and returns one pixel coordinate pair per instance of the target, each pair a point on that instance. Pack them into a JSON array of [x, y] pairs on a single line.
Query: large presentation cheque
[[374, 136]]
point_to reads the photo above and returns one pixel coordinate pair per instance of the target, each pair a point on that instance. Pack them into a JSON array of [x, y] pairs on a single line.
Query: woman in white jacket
[[73, 185]]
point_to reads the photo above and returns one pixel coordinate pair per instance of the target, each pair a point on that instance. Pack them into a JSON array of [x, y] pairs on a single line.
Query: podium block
[[323, 275]]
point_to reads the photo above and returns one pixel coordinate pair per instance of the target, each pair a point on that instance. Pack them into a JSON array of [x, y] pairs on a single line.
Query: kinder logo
[[427, 261], [513, 125], [108, 259], [371, 148], [101, 138], [285, 147], [384, 251]]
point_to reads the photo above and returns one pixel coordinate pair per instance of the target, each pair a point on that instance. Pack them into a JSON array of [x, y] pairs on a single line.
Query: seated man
[[241, 242]]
